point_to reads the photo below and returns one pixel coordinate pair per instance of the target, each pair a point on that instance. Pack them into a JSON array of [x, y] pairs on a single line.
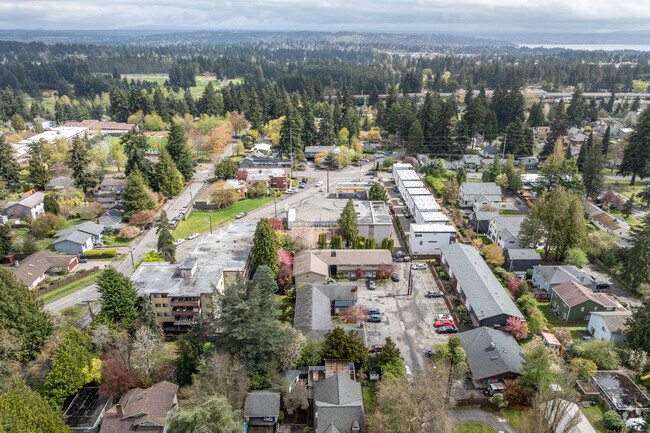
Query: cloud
[[343, 15]]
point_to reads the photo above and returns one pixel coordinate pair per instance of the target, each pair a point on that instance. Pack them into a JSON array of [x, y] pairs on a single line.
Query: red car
[[375, 348], [444, 322]]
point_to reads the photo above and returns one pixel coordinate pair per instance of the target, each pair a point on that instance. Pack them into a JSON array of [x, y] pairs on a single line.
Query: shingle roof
[[319, 260], [305, 261], [29, 201], [484, 215], [32, 268], [509, 223], [339, 403], [485, 361], [574, 294], [86, 227], [485, 188], [486, 295], [313, 306], [523, 254], [262, 404], [77, 237], [615, 320], [560, 274], [59, 181]]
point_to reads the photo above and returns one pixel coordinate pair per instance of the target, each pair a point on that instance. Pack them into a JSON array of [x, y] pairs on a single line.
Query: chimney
[[492, 346], [120, 411]]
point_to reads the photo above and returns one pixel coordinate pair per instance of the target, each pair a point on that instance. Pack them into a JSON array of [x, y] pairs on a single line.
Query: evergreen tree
[[136, 196], [148, 318], [79, 161], [165, 245], [118, 298], [576, 111], [160, 105], [584, 150], [606, 141], [638, 326], [558, 129], [373, 98], [309, 133], [9, 168], [136, 147], [378, 193], [22, 313], [265, 246], [290, 131], [536, 117], [461, 175], [637, 153], [516, 139], [592, 110], [23, 410], [592, 172], [6, 240], [264, 278], [179, 151], [636, 105], [416, 137], [209, 103], [118, 109], [393, 118], [227, 168], [490, 127], [348, 222], [326, 133], [39, 174], [253, 111], [167, 179], [637, 268], [493, 171]]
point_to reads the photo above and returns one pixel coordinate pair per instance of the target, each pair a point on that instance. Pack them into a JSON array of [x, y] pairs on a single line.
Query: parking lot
[[407, 319]]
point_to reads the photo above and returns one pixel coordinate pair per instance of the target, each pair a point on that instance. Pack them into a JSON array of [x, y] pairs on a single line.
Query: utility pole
[[210, 217], [328, 179], [410, 285], [88, 304], [275, 202], [132, 262], [290, 151]]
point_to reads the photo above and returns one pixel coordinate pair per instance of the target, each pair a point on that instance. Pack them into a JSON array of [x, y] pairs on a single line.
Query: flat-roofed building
[[424, 203], [409, 193], [400, 166], [432, 218], [427, 239], [413, 184], [374, 220], [353, 189], [405, 176]]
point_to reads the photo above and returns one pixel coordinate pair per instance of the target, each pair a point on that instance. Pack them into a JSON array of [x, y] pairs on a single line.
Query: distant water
[[591, 47]]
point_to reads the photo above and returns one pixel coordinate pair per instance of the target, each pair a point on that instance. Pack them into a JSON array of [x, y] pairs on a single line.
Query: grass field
[[625, 188], [473, 427], [595, 416], [369, 398], [115, 241], [514, 416], [628, 219], [510, 212], [199, 222], [197, 91], [69, 288], [71, 314], [543, 307]]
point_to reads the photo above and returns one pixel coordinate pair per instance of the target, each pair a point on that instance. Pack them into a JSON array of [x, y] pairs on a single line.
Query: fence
[[205, 205], [65, 281]]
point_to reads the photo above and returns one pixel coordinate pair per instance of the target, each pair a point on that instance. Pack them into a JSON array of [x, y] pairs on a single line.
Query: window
[[604, 329], [433, 242], [165, 305], [421, 242], [167, 314], [157, 305], [159, 314], [156, 295], [582, 308], [418, 236]]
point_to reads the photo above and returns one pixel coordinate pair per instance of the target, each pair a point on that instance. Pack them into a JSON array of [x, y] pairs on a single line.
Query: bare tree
[[293, 351], [221, 374], [301, 238], [554, 409], [146, 350], [296, 399]]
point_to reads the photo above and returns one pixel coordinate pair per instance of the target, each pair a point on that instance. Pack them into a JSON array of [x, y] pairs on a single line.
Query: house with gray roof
[[492, 355], [548, 277], [503, 230], [113, 217], [317, 303], [261, 409], [90, 227], [312, 151], [487, 302], [609, 325], [471, 162], [317, 265], [521, 259], [59, 183], [74, 243], [470, 190], [28, 206], [338, 405], [479, 221]]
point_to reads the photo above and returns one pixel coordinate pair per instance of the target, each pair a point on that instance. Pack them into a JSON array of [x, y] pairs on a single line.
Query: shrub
[[442, 275], [499, 401], [516, 328], [142, 217], [110, 252], [129, 232], [613, 420], [90, 211], [93, 253], [44, 224]]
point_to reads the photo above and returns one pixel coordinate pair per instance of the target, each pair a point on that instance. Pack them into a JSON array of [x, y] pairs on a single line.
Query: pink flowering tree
[[514, 286], [516, 328], [242, 174], [285, 258]]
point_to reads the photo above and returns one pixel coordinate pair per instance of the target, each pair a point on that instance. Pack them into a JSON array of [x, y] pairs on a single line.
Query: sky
[[430, 16]]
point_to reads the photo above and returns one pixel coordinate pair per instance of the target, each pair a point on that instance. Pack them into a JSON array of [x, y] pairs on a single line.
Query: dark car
[[434, 294], [374, 318], [394, 276], [373, 311], [447, 330], [371, 285], [148, 226]]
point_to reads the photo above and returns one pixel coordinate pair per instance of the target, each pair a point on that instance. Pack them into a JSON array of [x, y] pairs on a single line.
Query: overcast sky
[[433, 16]]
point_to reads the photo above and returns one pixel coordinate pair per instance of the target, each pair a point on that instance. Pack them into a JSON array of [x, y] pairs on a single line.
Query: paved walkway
[[496, 421]]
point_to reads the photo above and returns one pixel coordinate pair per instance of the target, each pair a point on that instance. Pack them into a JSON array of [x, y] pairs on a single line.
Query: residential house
[[261, 410], [578, 139], [373, 219], [338, 405], [287, 379], [503, 230], [423, 204], [398, 166], [609, 325], [620, 393], [112, 217], [427, 239], [488, 151], [274, 177], [604, 220], [312, 151], [408, 194], [358, 190], [479, 220], [251, 161], [570, 418], [470, 190], [486, 300], [521, 259], [431, 218], [318, 265], [413, 184], [113, 184], [551, 341], [423, 159], [317, 303], [239, 185], [87, 409], [74, 243], [142, 409], [404, 175], [89, 227], [59, 183], [28, 206], [529, 163], [32, 269], [574, 302], [548, 277], [181, 292], [492, 355], [471, 162]]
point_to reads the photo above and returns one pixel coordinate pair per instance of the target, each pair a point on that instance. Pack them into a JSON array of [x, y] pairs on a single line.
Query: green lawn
[[514, 416], [625, 188], [473, 427], [543, 307], [69, 288], [485, 240], [595, 416], [510, 212], [628, 219], [115, 241], [70, 223], [198, 222], [369, 398], [197, 91]]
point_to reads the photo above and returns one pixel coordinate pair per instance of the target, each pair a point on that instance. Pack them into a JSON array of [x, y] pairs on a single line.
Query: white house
[[29, 206], [400, 166], [470, 190], [503, 230], [413, 184], [405, 176], [426, 239], [432, 218], [424, 203], [410, 193], [609, 325]]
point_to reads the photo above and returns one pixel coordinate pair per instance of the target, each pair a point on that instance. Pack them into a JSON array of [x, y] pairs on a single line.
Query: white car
[[290, 191], [319, 183], [192, 236], [418, 266], [444, 317], [179, 241], [323, 189]]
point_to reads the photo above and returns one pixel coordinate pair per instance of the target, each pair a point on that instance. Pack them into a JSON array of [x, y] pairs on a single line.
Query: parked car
[[443, 317], [375, 348], [319, 183], [302, 185], [444, 322], [192, 236], [371, 285], [398, 259], [373, 311], [148, 226], [356, 164], [394, 276], [449, 329], [323, 189], [241, 215], [290, 191], [433, 294], [179, 241], [407, 258], [419, 266], [373, 318], [400, 203]]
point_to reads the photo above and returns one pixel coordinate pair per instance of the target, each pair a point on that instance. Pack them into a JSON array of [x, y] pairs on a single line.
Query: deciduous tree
[[210, 413], [223, 194]]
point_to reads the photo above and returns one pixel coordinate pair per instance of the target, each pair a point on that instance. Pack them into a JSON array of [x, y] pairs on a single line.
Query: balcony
[[185, 302], [185, 311], [184, 321]]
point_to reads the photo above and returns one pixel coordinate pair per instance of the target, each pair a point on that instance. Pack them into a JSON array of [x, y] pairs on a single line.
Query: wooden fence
[[65, 281]]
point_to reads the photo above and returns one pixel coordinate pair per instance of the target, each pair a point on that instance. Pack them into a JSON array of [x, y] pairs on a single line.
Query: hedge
[[91, 253], [110, 252]]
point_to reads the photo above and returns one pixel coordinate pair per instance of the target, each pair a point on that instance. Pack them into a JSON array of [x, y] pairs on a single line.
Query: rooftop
[[432, 228], [417, 191], [313, 314], [29, 201], [407, 175], [522, 254], [31, 268], [434, 217], [620, 390], [402, 166], [615, 320], [574, 294], [86, 408], [485, 188], [261, 404], [491, 352], [560, 274], [113, 181], [89, 227], [413, 184], [425, 202], [372, 212]]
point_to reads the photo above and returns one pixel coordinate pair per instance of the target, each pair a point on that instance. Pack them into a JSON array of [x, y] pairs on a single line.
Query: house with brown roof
[[315, 266], [142, 409], [33, 268], [574, 302]]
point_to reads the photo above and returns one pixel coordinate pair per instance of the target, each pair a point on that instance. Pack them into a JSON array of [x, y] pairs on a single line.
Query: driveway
[[615, 288], [496, 421]]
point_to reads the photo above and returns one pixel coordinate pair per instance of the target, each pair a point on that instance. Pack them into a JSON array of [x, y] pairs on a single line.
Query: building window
[[582, 308], [159, 314], [603, 329], [418, 236], [157, 305], [421, 242], [167, 314], [165, 305]]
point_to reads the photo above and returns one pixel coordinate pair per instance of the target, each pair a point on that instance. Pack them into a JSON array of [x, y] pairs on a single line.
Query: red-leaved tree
[[514, 286], [116, 378], [276, 224], [284, 276], [142, 217], [385, 270], [358, 273], [242, 174], [516, 328], [354, 314]]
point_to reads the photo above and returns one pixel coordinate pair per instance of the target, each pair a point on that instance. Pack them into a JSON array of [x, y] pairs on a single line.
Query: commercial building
[[374, 220], [311, 266], [358, 190], [427, 239], [274, 177]]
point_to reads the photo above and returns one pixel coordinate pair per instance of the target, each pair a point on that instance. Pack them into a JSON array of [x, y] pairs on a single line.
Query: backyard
[[199, 221], [595, 416]]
